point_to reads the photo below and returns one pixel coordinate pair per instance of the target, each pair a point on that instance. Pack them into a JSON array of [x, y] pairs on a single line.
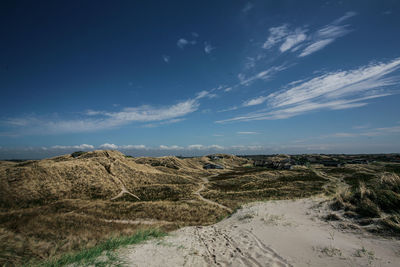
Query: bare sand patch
[[273, 233]]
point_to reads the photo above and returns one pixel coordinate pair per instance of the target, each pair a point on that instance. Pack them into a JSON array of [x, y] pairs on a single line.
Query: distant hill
[[102, 174]]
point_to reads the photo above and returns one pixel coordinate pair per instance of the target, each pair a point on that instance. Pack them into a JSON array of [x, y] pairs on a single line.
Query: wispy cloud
[[205, 93], [166, 58], [208, 48], [334, 90], [285, 36], [91, 147], [80, 147], [262, 75], [133, 147], [108, 146], [255, 101], [293, 39], [98, 120], [249, 6], [276, 35], [229, 109], [364, 126], [300, 38], [121, 147], [247, 133], [150, 113], [196, 146], [173, 147], [368, 133], [314, 47], [182, 42], [327, 35], [167, 122]]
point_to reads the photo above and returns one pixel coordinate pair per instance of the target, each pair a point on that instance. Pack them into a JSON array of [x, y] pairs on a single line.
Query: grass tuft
[[89, 256], [372, 198]]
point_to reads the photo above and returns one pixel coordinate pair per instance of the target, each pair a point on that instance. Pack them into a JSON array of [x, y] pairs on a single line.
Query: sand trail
[[201, 188], [273, 233]]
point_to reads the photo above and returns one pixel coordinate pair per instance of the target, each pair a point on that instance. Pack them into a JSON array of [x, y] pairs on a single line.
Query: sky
[[154, 78]]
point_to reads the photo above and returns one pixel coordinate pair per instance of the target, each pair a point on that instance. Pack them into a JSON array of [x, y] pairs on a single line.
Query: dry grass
[[244, 185], [373, 195], [65, 204]]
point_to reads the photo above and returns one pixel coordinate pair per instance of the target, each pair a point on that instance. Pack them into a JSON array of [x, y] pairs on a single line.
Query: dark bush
[[77, 154]]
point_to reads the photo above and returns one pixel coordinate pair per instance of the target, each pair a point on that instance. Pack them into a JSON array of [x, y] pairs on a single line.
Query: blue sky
[[190, 78]]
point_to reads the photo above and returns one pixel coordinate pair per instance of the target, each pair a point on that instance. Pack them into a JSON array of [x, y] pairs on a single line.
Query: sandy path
[[201, 188], [274, 233]]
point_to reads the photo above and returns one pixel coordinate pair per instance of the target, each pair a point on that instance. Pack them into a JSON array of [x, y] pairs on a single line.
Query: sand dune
[[274, 233]]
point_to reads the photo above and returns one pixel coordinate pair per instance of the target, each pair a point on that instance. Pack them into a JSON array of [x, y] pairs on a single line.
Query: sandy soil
[[274, 233]]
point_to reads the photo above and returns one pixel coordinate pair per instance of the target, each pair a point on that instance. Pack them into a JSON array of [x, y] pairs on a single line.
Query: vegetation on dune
[[67, 203], [90, 256], [77, 153], [72, 205], [373, 198], [244, 185]]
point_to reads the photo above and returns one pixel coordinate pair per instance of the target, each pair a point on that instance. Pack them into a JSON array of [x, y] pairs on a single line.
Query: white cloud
[[157, 124], [18, 121], [345, 17], [204, 94], [216, 147], [255, 101], [195, 34], [149, 113], [292, 40], [208, 48], [249, 6], [166, 58], [229, 109], [247, 148], [276, 35], [99, 120], [262, 75], [182, 42], [314, 47], [382, 131], [364, 126], [108, 146], [338, 84], [373, 132], [174, 147], [129, 147], [241, 77], [250, 62], [327, 34], [196, 146], [81, 147], [334, 90], [288, 38], [247, 133], [191, 147]]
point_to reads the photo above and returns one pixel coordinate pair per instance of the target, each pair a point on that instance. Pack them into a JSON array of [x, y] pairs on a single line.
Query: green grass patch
[[393, 168], [90, 256], [373, 196]]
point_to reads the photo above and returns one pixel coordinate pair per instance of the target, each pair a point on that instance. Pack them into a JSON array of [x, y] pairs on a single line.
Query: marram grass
[[89, 256]]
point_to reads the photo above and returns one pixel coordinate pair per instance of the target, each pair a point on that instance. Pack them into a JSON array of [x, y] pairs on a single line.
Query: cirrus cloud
[[333, 90]]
